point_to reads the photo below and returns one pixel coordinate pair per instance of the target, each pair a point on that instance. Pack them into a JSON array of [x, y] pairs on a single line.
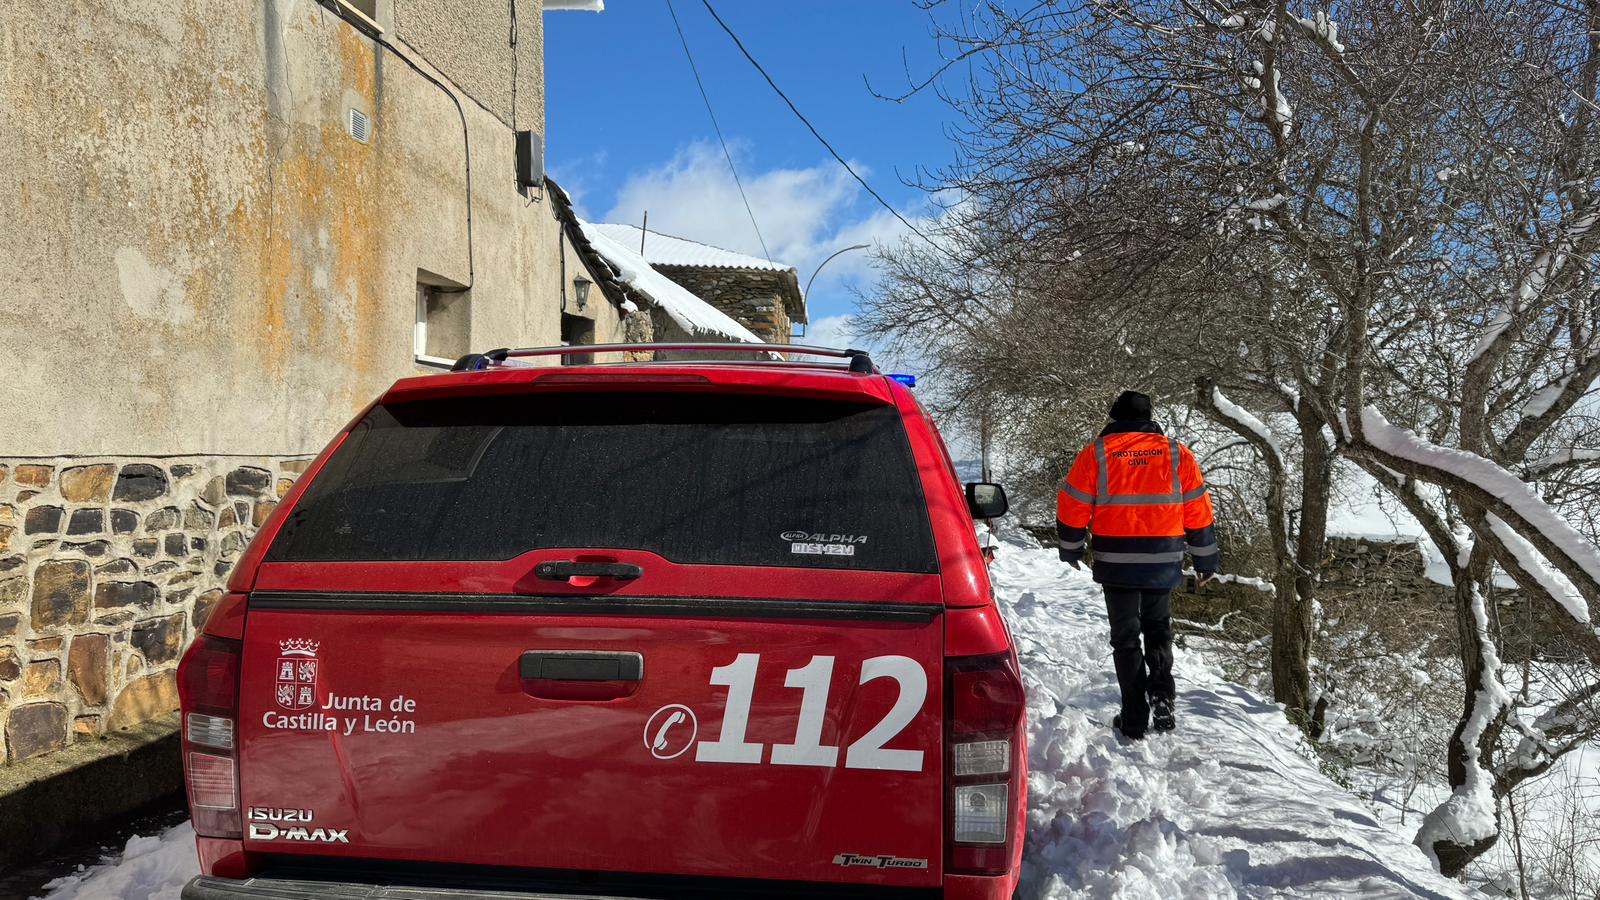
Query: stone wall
[[108, 566], [755, 299], [1393, 565]]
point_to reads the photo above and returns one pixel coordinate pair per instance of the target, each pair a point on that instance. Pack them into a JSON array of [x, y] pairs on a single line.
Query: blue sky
[[627, 130]]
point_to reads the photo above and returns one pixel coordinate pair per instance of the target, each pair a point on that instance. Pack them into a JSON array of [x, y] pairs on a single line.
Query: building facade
[[232, 224], [761, 295], [676, 314]]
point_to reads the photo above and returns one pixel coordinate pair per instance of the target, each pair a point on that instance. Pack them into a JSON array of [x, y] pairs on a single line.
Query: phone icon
[[660, 743], [664, 735]]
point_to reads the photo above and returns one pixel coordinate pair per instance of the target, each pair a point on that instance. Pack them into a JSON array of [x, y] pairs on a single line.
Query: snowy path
[[1225, 807]]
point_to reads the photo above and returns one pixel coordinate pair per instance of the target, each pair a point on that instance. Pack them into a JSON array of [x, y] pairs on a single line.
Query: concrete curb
[[54, 798]]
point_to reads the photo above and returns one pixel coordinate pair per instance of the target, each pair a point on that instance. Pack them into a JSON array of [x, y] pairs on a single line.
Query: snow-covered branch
[[1551, 402], [1498, 491], [1536, 569], [1546, 267], [1324, 30], [1260, 584], [1544, 399], [1405, 490], [1324, 33], [1570, 722], [1276, 107], [1561, 459], [1210, 399], [1245, 423]]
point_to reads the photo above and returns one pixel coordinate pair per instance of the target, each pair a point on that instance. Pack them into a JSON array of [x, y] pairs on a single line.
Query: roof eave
[[794, 300], [610, 285]]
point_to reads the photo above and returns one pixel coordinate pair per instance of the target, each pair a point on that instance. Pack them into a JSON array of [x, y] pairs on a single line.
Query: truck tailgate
[[770, 738]]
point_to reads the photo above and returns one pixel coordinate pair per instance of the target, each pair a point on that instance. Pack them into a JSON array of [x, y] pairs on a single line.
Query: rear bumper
[[207, 887]]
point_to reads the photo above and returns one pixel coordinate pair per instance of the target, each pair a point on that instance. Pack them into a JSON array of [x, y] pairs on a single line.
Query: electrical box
[[530, 159]]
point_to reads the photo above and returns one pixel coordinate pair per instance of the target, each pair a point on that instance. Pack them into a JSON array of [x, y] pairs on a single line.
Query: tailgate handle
[[580, 665], [563, 570]]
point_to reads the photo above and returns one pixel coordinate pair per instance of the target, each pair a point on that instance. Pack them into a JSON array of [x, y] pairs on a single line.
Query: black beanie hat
[[1132, 406]]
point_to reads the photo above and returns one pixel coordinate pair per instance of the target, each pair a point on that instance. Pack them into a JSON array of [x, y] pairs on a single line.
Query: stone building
[[762, 295], [676, 313], [229, 226]]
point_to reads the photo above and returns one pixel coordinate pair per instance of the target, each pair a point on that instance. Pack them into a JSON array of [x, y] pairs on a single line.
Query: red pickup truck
[[712, 628]]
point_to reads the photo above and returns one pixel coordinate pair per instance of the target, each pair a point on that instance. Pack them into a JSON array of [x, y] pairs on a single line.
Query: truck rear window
[[699, 479]]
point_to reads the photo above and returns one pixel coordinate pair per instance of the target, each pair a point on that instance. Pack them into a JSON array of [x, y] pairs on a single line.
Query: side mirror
[[986, 501]]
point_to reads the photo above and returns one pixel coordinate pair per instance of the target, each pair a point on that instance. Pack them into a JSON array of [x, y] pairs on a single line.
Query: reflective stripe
[[1195, 494], [1102, 482], [1136, 544], [1077, 495], [1173, 557], [1172, 449], [1210, 550], [1140, 500], [1071, 545]]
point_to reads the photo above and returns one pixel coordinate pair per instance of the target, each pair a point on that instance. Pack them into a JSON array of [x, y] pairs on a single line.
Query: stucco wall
[[201, 260], [208, 275], [469, 40]]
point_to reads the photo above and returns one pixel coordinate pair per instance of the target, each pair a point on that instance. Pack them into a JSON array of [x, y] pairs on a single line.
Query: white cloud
[[831, 331], [805, 214]]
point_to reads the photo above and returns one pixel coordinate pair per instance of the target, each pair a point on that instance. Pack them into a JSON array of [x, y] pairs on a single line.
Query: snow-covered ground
[[1229, 805], [149, 868]]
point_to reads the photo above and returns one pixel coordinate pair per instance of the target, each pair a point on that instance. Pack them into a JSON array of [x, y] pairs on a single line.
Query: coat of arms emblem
[[296, 681]]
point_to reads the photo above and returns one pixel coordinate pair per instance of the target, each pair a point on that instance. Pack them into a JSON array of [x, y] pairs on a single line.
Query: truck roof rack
[[857, 361]]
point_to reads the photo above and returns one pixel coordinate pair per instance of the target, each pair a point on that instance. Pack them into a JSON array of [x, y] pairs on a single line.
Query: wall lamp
[[580, 290]]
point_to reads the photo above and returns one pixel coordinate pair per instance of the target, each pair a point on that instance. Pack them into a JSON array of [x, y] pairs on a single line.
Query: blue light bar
[[907, 380]]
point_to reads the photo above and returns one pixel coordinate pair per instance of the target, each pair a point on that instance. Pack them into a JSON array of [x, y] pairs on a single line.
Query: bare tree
[[1382, 229]]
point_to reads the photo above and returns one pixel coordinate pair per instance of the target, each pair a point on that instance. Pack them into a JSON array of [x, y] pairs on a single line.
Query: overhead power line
[[812, 128], [718, 128]]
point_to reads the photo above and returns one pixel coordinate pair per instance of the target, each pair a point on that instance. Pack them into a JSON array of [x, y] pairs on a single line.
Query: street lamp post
[[829, 260]]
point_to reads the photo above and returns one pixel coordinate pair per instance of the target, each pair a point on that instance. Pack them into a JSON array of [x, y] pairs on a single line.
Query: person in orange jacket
[[1141, 496]]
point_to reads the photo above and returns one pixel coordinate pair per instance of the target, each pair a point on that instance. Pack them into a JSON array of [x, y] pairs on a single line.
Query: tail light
[[208, 683], [983, 739]]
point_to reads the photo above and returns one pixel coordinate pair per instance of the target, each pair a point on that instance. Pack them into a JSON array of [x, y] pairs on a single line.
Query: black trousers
[[1143, 672]]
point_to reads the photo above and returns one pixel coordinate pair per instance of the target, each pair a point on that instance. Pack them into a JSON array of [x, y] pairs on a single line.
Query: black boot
[[1116, 725], [1162, 718]]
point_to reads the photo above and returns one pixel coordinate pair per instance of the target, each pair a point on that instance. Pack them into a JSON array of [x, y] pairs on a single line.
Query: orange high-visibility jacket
[[1141, 495]]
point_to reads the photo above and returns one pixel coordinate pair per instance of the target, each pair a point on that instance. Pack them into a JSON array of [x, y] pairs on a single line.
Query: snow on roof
[[666, 250], [694, 315]]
